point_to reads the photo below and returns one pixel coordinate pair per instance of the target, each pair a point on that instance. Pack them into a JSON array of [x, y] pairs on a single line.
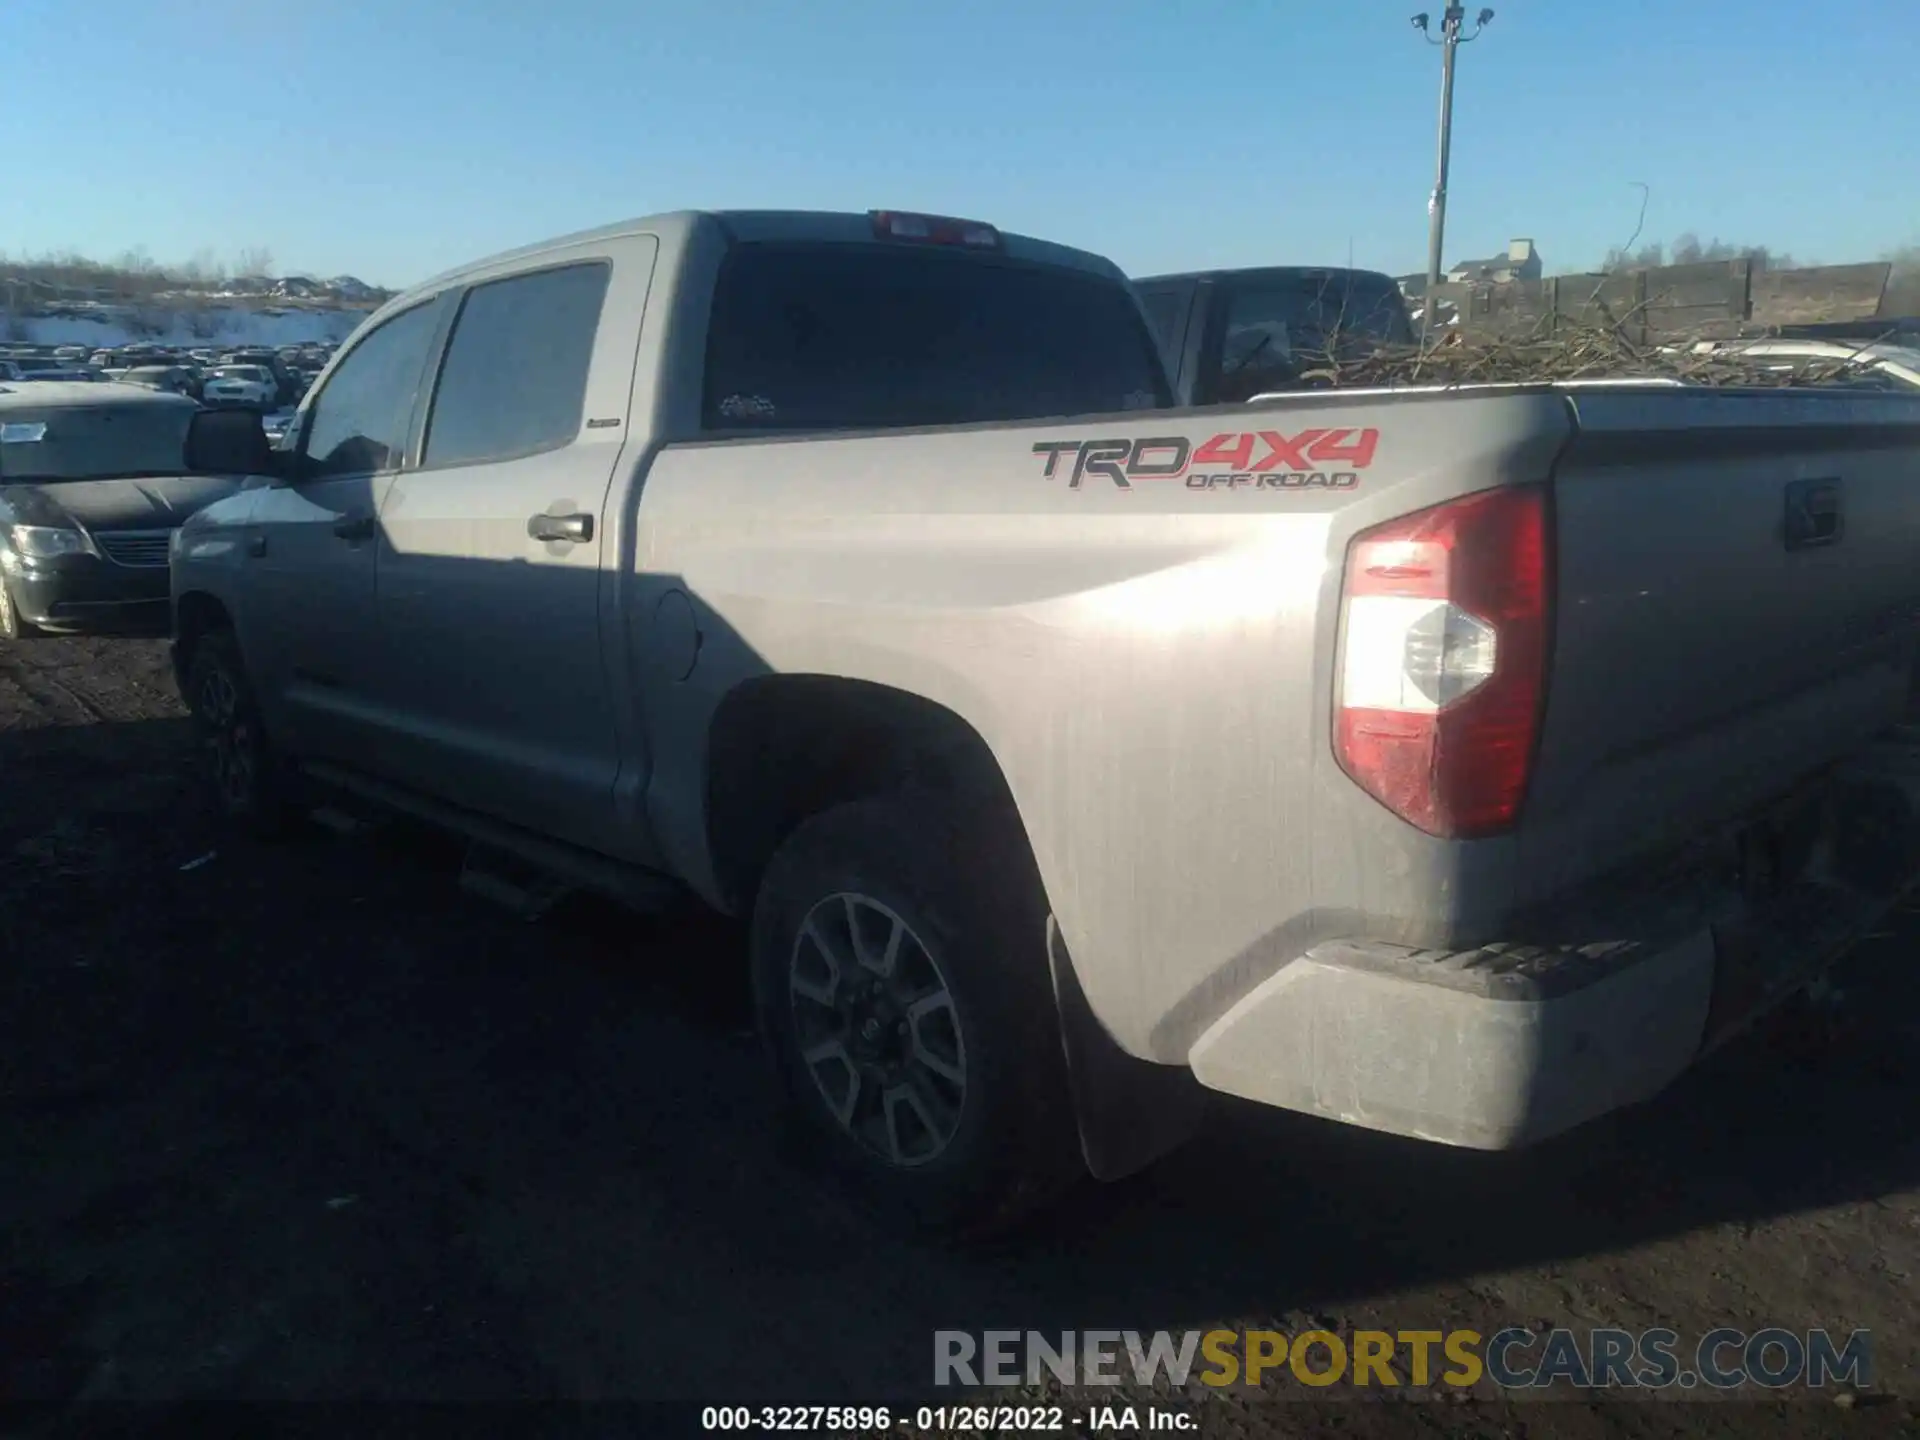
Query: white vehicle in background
[[174, 379], [249, 386], [1877, 365]]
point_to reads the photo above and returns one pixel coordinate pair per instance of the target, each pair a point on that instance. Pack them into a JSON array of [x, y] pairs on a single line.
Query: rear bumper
[[1503, 1045]]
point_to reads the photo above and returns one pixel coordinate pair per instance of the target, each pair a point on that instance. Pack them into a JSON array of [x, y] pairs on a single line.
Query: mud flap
[[1129, 1111]]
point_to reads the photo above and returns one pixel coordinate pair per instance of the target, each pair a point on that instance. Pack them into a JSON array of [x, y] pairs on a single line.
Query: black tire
[[247, 779], [965, 887], [14, 625]]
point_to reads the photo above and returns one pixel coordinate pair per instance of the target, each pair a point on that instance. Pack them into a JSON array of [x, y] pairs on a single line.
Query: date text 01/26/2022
[[944, 1419]]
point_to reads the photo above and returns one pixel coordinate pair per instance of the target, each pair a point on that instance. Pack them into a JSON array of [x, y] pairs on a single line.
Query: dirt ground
[[308, 1122]]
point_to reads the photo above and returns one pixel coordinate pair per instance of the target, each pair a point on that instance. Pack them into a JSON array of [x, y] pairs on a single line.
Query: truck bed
[[1144, 632]]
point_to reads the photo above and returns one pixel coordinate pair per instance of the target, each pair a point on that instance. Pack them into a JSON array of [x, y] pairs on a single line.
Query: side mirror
[[232, 442]]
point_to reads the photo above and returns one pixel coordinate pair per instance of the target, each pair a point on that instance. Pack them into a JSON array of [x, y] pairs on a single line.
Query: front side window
[[857, 337], [358, 424], [515, 378]]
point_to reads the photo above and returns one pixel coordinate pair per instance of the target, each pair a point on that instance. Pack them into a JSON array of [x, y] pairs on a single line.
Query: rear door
[[493, 679]]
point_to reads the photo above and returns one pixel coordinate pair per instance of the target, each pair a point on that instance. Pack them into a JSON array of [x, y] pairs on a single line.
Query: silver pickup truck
[[1455, 764]]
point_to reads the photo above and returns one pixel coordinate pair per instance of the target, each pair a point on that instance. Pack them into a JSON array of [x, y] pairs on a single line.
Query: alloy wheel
[[877, 1029], [229, 737]]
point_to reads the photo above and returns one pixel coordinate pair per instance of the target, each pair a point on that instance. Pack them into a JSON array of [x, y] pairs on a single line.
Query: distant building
[[1521, 262]]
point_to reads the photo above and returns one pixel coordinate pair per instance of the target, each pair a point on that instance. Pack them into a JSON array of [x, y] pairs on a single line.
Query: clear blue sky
[[393, 138]]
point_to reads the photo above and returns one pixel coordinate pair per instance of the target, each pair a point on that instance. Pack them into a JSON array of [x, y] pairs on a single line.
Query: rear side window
[[857, 337], [515, 378]]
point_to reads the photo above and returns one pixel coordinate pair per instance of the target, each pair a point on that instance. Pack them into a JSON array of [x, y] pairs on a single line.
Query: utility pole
[[1452, 20]]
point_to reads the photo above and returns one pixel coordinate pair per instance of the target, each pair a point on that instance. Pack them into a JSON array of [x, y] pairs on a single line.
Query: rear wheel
[[902, 989], [248, 780]]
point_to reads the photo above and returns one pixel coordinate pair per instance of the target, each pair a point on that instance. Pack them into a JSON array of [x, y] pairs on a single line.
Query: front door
[[311, 545], [494, 669]]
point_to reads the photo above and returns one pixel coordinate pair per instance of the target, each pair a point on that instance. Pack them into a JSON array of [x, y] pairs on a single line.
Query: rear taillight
[[1443, 664]]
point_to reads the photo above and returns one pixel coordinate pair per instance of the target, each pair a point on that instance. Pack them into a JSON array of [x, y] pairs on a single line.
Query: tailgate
[[1737, 585]]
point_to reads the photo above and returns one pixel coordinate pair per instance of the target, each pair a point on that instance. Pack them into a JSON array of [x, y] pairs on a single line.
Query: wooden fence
[[1723, 297]]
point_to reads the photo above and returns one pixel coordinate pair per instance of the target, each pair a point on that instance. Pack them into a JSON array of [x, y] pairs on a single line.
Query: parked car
[[173, 378], [286, 392], [1229, 335], [1373, 758], [249, 385], [93, 482]]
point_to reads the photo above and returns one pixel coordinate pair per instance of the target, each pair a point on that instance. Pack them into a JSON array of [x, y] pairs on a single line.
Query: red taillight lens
[[1443, 660], [935, 229]]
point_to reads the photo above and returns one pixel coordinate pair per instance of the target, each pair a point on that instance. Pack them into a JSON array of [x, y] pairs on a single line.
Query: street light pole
[[1452, 19]]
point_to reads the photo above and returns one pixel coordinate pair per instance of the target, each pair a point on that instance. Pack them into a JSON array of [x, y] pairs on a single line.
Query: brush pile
[[1568, 352]]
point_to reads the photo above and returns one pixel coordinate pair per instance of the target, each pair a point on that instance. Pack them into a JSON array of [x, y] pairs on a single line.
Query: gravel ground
[[308, 1122]]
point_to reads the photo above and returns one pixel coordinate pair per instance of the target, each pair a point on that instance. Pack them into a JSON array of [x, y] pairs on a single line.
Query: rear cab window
[[845, 336]]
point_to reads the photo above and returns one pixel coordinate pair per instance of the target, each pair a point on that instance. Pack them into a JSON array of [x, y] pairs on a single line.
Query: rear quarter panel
[[1150, 665]]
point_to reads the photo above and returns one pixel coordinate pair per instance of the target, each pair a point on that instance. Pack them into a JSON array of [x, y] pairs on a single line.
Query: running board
[[528, 891], [561, 867]]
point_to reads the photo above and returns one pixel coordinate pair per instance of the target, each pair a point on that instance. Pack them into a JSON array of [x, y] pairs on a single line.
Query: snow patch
[[233, 327]]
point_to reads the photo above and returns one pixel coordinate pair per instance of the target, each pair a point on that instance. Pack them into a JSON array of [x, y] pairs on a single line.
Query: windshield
[[240, 372], [93, 442]]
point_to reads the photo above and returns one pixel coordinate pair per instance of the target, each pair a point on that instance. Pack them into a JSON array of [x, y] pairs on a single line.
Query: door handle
[[257, 544], [560, 527], [354, 527]]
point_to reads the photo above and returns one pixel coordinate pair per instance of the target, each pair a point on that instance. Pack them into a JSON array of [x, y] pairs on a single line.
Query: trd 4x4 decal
[[1248, 459]]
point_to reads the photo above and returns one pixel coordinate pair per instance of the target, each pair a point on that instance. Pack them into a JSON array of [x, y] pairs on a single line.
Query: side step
[[526, 890], [526, 872], [341, 822]]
